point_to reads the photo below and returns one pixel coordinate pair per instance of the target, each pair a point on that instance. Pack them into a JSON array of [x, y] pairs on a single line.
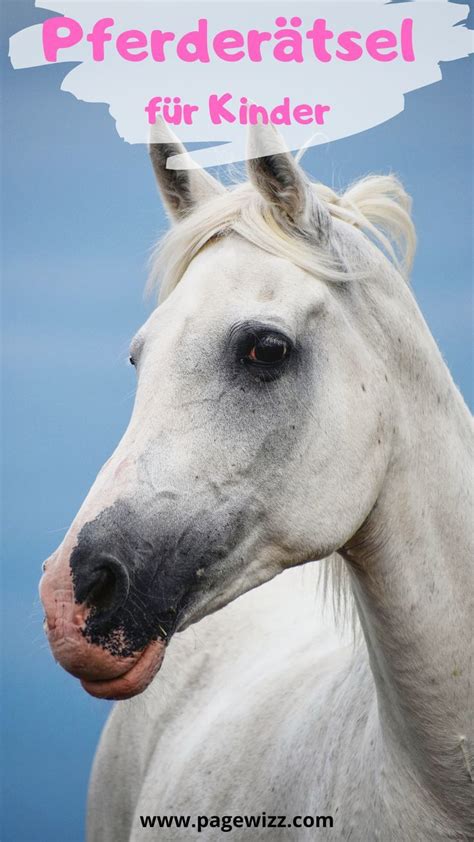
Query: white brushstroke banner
[[351, 71]]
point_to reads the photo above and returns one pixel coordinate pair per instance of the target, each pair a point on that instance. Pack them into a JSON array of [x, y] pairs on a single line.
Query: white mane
[[376, 205]]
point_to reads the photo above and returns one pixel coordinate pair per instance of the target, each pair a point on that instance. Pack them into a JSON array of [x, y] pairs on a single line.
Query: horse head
[[261, 429]]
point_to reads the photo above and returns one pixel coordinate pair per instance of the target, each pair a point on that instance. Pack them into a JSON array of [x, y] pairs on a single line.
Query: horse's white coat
[[259, 708]]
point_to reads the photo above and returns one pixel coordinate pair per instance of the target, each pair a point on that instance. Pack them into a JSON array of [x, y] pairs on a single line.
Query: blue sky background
[[80, 213]]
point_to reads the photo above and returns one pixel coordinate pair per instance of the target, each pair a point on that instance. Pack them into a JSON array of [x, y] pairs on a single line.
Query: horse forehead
[[232, 270], [229, 280]]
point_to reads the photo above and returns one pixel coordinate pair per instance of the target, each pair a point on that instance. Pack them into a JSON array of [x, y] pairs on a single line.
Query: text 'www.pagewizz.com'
[[228, 823]]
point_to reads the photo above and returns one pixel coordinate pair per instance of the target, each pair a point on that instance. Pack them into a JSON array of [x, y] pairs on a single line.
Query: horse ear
[[281, 181], [181, 189]]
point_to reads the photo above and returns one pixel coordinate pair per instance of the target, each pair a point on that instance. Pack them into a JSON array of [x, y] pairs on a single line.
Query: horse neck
[[411, 571]]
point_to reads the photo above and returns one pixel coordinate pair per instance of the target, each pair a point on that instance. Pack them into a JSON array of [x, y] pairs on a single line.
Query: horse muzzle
[[108, 664]]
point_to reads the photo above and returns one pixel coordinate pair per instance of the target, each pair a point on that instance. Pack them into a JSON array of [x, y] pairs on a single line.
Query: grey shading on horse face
[[138, 571]]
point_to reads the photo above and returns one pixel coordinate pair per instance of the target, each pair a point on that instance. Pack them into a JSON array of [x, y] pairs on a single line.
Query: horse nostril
[[106, 588], [102, 592]]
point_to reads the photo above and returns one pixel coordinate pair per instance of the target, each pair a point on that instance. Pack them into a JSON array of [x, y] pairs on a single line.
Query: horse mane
[[378, 206]]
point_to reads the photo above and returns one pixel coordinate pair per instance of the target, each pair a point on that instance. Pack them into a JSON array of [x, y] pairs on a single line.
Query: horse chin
[[134, 681]]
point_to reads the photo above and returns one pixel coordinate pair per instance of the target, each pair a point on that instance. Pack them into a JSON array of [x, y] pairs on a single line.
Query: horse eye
[[131, 360], [268, 350]]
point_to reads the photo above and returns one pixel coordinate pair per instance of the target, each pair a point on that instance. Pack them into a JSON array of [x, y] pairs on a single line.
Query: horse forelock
[[377, 206]]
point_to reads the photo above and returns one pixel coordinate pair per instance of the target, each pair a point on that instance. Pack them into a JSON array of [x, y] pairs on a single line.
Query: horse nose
[[103, 586]]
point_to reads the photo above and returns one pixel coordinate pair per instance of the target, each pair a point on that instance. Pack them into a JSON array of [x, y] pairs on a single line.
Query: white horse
[[291, 405]]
